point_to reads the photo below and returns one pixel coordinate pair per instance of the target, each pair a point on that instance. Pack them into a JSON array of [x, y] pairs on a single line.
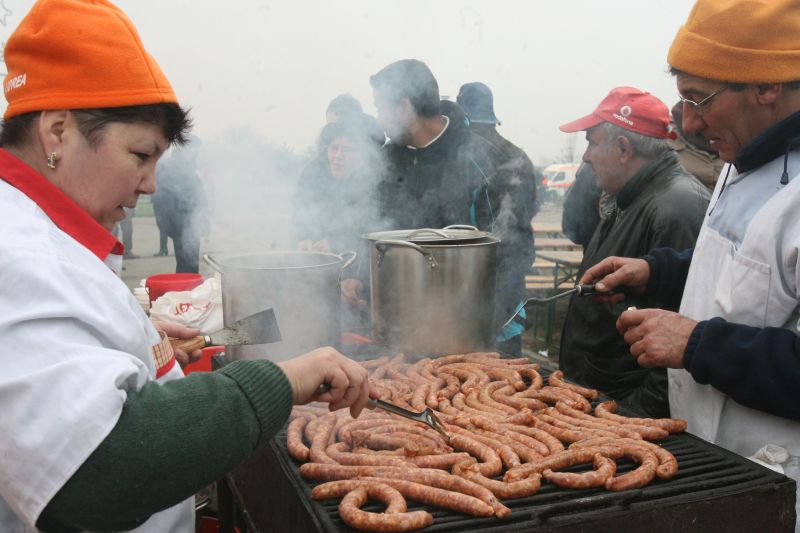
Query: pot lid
[[448, 235]]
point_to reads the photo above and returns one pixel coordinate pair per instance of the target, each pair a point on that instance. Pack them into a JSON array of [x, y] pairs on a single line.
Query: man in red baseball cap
[[657, 204]]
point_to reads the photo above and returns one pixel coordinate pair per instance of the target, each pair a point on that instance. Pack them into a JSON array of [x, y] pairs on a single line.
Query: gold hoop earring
[[51, 160]]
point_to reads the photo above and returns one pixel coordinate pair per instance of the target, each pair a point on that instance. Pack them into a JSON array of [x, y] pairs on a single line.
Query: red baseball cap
[[629, 108]]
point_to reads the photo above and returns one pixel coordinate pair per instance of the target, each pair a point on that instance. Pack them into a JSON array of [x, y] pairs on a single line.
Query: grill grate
[[706, 473], [714, 490]]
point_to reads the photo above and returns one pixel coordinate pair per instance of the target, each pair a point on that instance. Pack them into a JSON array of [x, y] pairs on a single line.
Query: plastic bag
[[199, 308]]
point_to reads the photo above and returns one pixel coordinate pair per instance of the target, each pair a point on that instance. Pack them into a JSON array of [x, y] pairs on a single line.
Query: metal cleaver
[[260, 328]]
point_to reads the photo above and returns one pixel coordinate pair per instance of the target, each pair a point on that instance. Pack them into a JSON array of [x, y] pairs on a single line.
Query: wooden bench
[[554, 243]]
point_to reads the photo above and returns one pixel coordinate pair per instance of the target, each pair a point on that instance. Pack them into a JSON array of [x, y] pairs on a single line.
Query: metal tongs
[[579, 290], [427, 417]]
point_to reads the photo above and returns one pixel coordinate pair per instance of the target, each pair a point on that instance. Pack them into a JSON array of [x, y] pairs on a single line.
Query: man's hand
[[658, 338], [179, 331], [349, 382], [351, 293], [613, 272]]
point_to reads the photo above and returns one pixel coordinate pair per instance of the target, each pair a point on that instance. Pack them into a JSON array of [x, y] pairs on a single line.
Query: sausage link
[[525, 453], [294, 439], [442, 461], [604, 469], [394, 500], [532, 375], [486, 397], [561, 460], [507, 491], [446, 481], [374, 363], [387, 522], [553, 444], [606, 410], [668, 464], [438, 497], [507, 374], [556, 379], [638, 477], [645, 432], [489, 465], [338, 453], [320, 440], [473, 400], [591, 423], [507, 455]]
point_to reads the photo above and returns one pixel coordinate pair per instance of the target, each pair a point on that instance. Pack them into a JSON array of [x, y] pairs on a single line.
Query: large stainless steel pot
[[433, 291], [301, 287]]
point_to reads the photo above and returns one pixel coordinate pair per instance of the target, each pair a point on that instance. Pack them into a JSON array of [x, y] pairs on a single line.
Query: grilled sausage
[[388, 522], [338, 454], [489, 465], [294, 439], [606, 410], [604, 469], [561, 460], [438, 497], [668, 464], [556, 379], [507, 491], [645, 432]]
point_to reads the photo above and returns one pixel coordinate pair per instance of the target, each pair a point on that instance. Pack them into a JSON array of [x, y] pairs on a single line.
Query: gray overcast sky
[[274, 65]]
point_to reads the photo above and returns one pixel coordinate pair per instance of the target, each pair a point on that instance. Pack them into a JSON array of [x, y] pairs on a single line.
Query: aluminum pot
[[433, 294], [303, 288]]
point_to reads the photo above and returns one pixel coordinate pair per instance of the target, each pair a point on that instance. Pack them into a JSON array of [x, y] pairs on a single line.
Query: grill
[[715, 490]]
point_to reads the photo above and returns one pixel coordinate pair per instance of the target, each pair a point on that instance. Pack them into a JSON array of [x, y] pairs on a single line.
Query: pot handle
[[210, 261], [423, 231], [461, 226], [350, 260], [382, 246]]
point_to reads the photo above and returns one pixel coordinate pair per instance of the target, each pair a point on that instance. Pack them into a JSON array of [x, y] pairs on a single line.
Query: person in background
[[585, 205], [335, 202], [180, 205], [343, 106], [440, 173], [657, 204], [101, 432], [733, 349], [515, 173], [696, 154], [126, 228]]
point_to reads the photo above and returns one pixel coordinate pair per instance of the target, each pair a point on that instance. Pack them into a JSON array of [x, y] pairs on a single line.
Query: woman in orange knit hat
[[99, 431]]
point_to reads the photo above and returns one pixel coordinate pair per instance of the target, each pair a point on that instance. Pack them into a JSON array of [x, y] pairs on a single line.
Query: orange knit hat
[[745, 41], [79, 54]]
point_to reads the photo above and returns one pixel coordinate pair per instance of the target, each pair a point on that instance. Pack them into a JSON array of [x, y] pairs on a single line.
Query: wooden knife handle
[[188, 345]]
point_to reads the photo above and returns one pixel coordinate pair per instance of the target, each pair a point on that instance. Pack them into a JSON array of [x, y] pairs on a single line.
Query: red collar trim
[[61, 209]]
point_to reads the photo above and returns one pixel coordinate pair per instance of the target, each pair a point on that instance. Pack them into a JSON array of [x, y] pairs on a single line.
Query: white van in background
[[558, 179]]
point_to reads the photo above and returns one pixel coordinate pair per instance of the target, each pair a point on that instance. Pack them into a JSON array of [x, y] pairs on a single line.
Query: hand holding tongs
[[427, 417], [579, 290]]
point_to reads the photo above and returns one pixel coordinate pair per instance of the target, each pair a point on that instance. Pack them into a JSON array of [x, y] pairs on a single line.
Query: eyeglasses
[[701, 106]]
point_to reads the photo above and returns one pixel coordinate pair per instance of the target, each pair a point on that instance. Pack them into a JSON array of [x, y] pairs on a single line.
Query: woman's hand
[[348, 381], [179, 331]]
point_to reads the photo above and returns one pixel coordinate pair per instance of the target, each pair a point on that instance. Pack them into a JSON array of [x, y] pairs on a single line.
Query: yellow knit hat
[[745, 41], [79, 54]]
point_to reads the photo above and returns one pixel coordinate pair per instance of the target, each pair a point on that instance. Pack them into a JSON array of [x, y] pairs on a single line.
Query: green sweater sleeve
[[170, 441]]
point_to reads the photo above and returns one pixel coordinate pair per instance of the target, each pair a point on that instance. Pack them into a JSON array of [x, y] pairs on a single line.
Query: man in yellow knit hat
[[100, 431], [734, 349]]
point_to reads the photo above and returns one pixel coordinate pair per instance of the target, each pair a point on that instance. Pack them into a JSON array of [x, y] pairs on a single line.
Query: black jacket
[[455, 180], [661, 205]]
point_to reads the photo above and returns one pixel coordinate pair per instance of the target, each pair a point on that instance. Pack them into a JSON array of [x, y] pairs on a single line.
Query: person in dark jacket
[[440, 174], [334, 202], [514, 170], [181, 207], [657, 204]]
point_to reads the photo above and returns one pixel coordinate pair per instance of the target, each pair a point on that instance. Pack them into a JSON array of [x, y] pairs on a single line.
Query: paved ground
[[233, 233]]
